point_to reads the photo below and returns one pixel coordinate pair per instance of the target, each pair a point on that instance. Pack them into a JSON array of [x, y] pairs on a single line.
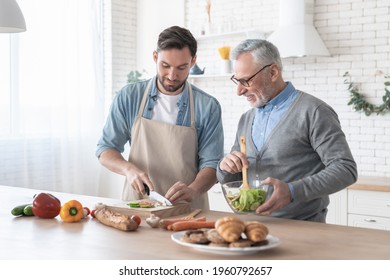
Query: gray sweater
[[307, 148]]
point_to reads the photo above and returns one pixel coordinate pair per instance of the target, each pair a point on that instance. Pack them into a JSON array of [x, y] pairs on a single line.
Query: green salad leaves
[[247, 200]]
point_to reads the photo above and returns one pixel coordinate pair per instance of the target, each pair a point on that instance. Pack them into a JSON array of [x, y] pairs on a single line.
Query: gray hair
[[263, 52]]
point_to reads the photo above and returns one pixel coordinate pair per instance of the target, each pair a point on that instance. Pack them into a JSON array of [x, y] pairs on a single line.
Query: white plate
[[272, 243]]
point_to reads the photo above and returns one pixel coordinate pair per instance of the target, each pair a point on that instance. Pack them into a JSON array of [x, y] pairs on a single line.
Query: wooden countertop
[[34, 238], [372, 183]]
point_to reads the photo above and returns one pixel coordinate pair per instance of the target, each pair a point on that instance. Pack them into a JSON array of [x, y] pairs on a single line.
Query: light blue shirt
[[125, 106], [268, 116]]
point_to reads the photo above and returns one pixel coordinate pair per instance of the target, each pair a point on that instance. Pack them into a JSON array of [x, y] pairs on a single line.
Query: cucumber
[[134, 204], [18, 210], [27, 211]]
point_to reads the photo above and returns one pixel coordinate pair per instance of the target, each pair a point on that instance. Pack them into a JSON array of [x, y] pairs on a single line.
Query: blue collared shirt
[[268, 116], [125, 106]]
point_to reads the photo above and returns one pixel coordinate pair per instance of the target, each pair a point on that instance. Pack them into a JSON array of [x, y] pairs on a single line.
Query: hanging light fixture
[[11, 17]]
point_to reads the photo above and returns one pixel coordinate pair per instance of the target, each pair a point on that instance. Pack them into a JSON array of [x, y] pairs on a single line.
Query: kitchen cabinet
[[337, 209], [369, 209], [363, 204]]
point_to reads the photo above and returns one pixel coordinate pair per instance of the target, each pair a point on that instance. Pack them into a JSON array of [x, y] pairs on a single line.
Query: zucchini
[[27, 211], [18, 210]]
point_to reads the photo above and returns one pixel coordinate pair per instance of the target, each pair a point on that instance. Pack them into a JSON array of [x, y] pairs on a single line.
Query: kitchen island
[[33, 238]]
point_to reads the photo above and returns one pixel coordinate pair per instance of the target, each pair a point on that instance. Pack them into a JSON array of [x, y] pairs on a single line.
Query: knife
[[156, 196]]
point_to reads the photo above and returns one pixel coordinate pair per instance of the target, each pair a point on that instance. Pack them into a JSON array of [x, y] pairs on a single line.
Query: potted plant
[[135, 76]]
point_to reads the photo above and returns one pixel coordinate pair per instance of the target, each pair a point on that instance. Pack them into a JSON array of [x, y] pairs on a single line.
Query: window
[[51, 96]]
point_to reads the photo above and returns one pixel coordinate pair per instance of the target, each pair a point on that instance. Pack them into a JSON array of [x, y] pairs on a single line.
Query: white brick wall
[[120, 31], [356, 32]]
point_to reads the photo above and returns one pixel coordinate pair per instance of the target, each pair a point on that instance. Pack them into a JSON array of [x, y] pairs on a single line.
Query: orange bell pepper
[[72, 211]]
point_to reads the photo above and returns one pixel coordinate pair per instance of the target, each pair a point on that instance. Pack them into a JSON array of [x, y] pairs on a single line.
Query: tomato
[[136, 219], [86, 212], [46, 205]]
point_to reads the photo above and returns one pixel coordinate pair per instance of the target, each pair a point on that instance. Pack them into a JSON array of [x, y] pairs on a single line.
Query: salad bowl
[[243, 200]]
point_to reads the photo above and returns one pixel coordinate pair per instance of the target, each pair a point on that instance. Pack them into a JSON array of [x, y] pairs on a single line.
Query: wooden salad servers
[[245, 184]]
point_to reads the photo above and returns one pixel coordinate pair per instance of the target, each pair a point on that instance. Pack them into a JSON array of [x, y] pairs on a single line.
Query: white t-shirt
[[165, 110]]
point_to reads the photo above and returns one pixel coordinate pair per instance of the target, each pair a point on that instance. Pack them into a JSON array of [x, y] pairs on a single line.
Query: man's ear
[[275, 72], [193, 61], [155, 56]]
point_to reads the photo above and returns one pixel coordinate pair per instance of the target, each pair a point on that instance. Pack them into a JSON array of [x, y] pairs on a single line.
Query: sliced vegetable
[[46, 205], [146, 204], [72, 211], [134, 204], [141, 203]]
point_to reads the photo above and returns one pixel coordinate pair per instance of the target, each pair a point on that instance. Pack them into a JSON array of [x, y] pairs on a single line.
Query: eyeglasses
[[245, 83]]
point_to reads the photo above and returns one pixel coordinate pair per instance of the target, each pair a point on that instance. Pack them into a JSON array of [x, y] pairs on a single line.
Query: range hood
[[296, 35]]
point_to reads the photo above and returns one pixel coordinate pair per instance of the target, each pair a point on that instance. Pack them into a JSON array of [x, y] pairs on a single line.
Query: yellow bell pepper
[[72, 211]]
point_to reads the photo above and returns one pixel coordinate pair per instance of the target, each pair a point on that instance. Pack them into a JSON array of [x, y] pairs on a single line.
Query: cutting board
[[160, 211]]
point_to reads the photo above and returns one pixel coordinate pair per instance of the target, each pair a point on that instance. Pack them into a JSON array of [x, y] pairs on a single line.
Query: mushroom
[[153, 220]]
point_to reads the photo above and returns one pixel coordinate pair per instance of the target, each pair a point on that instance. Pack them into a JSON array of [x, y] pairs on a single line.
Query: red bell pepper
[[46, 205]]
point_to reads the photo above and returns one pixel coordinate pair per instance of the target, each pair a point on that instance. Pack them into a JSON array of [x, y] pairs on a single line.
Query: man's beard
[[264, 98], [260, 101], [178, 84]]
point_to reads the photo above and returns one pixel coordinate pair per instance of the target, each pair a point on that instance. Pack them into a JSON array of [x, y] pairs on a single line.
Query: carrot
[[165, 223], [200, 219], [185, 225]]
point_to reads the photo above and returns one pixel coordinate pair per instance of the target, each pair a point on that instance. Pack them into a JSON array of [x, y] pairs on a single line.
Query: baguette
[[115, 220]]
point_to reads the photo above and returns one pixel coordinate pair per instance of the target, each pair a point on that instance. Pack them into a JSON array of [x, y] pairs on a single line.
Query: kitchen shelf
[[250, 34], [202, 39], [209, 76]]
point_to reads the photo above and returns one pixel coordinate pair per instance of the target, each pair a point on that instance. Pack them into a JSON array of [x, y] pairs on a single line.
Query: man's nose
[[241, 90], [172, 74]]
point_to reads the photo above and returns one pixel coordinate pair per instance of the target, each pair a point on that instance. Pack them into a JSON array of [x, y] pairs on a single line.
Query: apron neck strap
[[190, 97], [143, 101], [192, 106]]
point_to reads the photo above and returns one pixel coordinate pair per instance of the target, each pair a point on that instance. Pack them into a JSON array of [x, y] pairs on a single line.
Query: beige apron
[[167, 153]]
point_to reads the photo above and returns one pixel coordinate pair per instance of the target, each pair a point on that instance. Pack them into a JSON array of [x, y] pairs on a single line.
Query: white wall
[[120, 57], [153, 16]]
